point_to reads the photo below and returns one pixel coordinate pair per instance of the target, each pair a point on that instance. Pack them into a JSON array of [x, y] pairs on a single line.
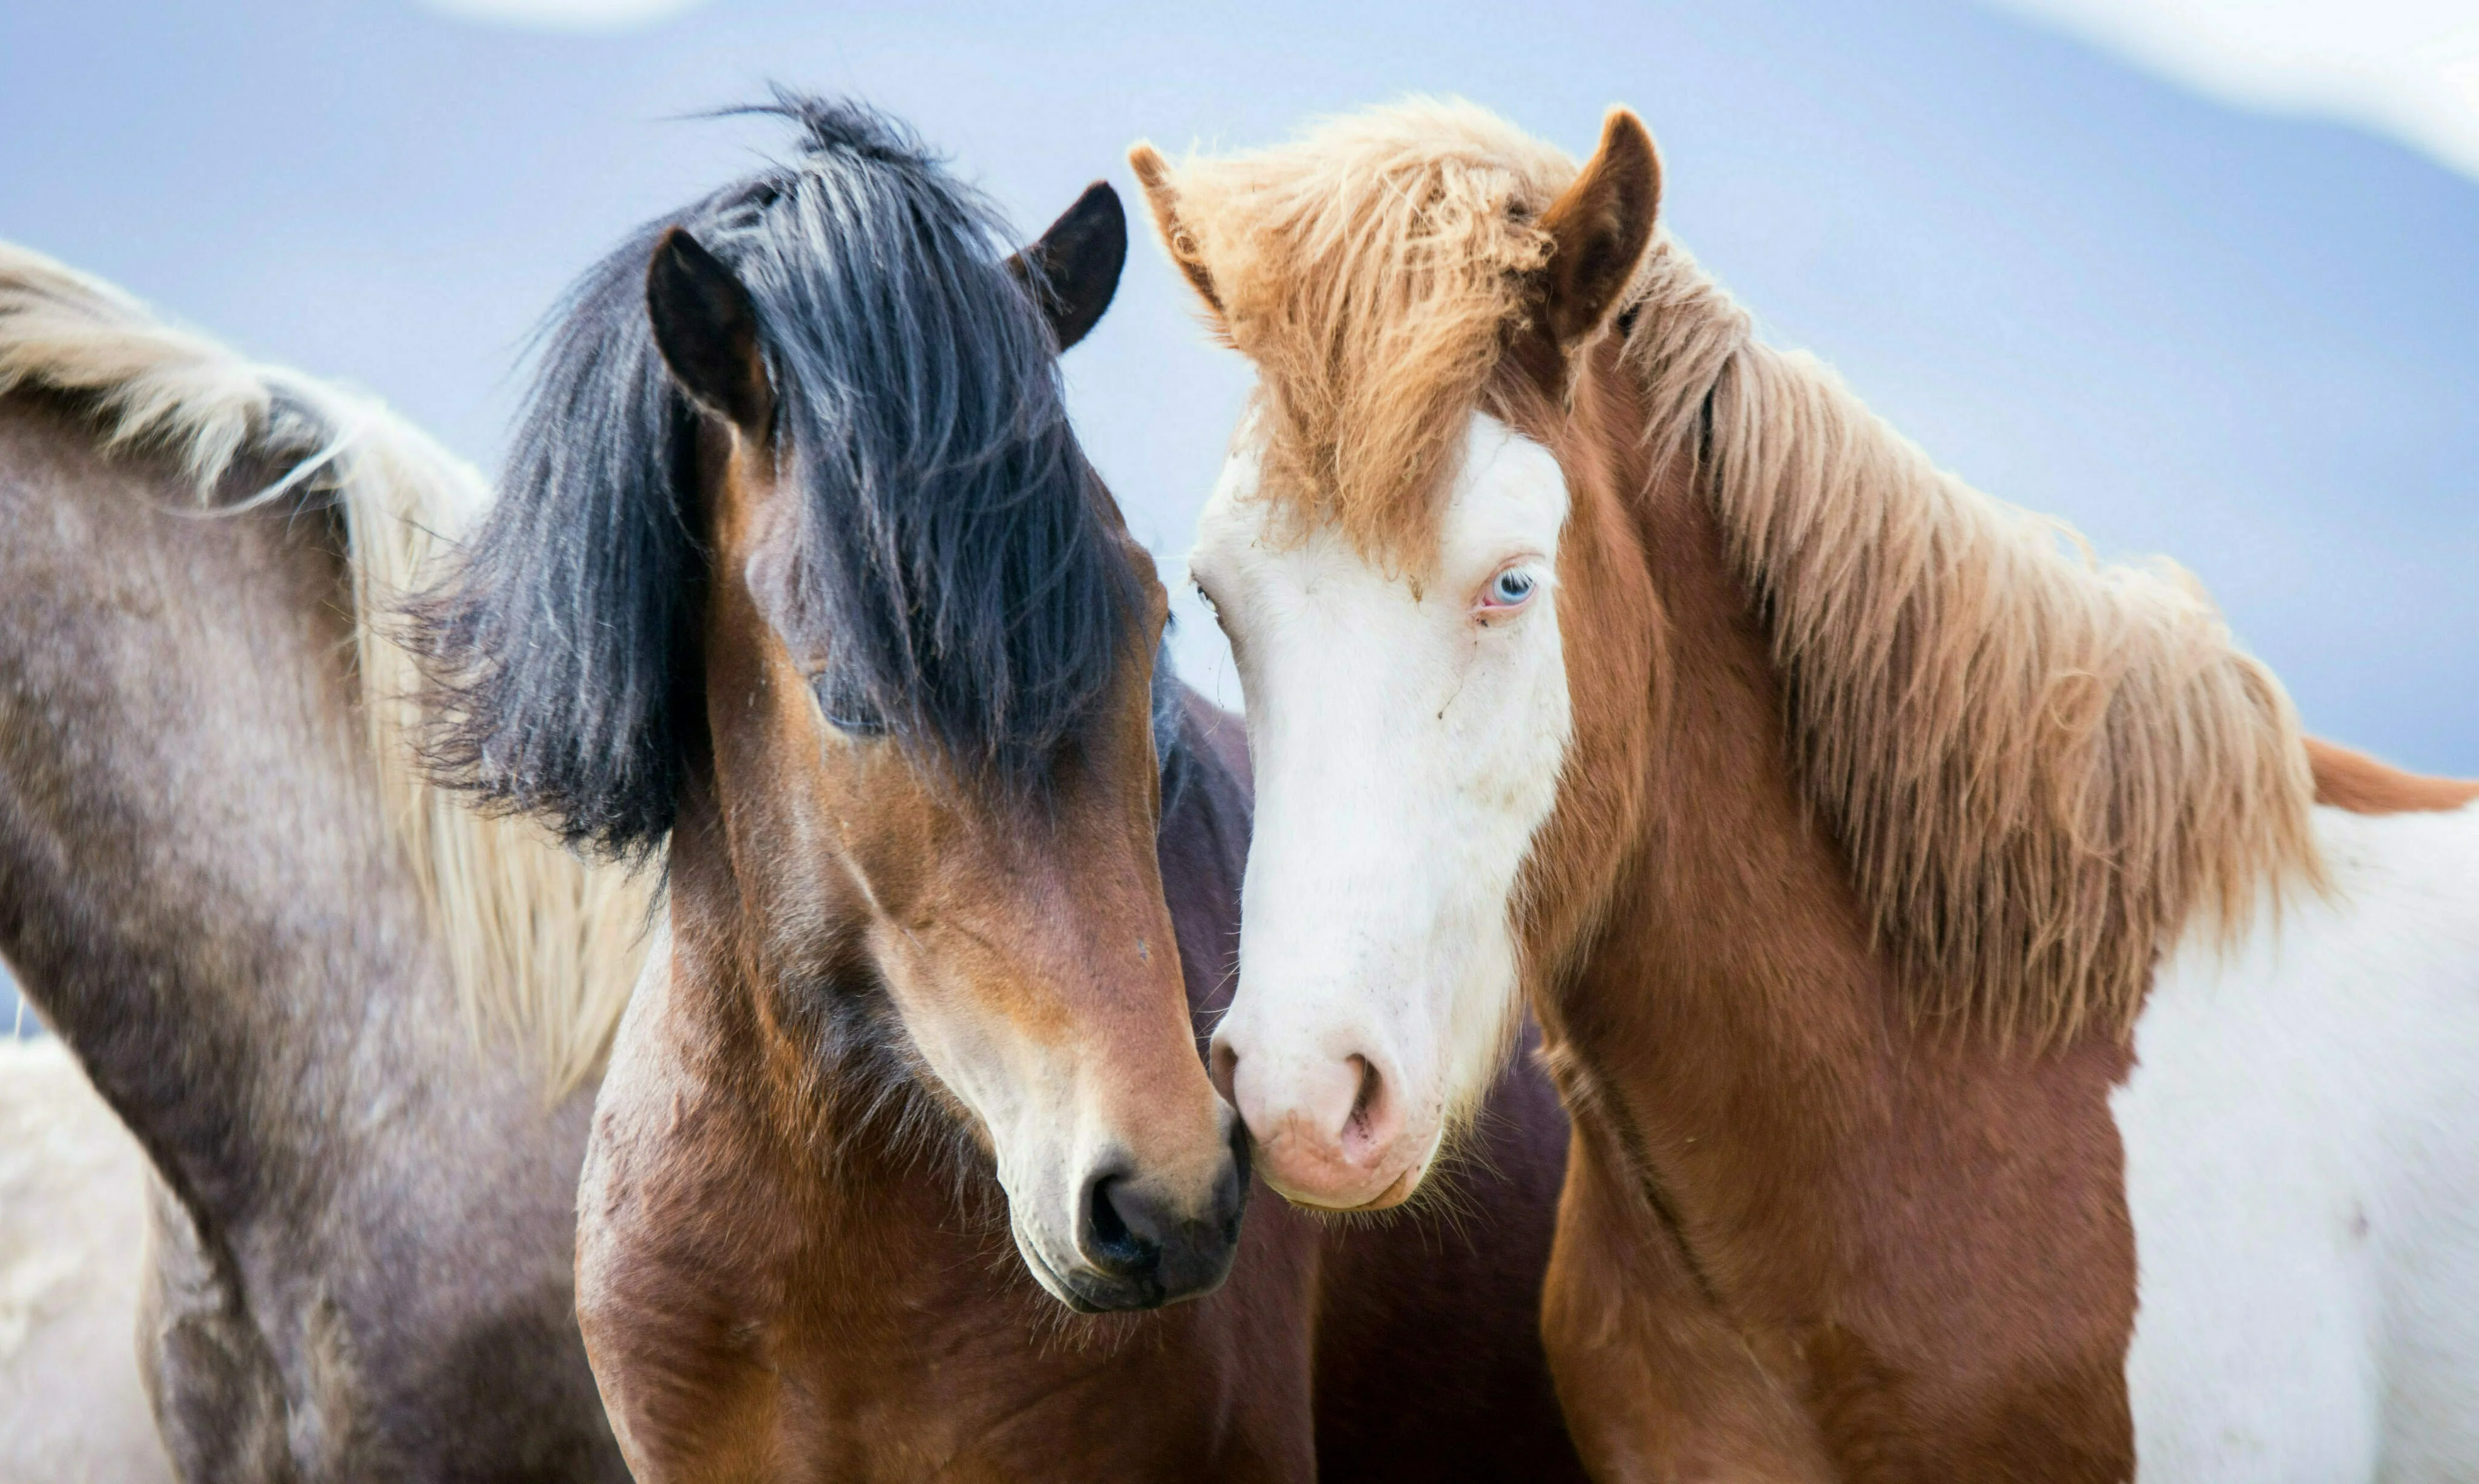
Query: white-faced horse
[[2000, 1044]]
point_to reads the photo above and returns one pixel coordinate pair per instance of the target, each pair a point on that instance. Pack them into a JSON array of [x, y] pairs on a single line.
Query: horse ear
[[1600, 229], [705, 325], [1153, 171], [1074, 269]]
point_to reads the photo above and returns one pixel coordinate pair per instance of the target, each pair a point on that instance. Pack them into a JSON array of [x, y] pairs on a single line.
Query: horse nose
[[1155, 1247], [1329, 1132]]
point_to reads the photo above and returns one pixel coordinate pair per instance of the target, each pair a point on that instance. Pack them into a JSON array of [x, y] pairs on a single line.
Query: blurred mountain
[[2246, 342]]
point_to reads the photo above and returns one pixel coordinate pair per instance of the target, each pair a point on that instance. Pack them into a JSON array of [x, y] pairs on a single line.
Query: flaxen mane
[[540, 944], [2042, 769]]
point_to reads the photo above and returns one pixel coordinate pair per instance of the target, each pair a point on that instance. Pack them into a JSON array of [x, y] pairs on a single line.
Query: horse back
[[2351, 780]]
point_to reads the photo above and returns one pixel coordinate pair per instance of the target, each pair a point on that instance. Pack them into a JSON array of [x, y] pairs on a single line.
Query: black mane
[[954, 559]]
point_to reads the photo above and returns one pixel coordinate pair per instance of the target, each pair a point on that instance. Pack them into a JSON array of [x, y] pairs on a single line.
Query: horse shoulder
[[666, 1292]]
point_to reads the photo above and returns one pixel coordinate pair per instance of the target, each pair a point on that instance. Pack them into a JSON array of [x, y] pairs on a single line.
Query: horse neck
[[1742, 1057], [199, 891], [1681, 863], [187, 664], [862, 1231], [1204, 849]]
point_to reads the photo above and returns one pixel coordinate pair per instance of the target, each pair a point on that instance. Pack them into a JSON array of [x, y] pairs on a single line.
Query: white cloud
[[565, 14], [2407, 67]]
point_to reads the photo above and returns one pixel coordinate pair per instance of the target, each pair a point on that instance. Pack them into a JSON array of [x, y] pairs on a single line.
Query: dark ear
[[1162, 197], [1074, 269], [1598, 230], [705, 325]]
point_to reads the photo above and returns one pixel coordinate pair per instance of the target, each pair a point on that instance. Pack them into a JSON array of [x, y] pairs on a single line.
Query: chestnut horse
[[267, 942], [1988, 1058], [800, 568]]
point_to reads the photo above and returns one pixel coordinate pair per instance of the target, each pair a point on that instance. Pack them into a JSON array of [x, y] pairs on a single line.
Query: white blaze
[[1406, 748]]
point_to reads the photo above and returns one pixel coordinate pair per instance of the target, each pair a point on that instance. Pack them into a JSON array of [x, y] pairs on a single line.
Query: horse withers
[[2000, 1045], [800, 572]]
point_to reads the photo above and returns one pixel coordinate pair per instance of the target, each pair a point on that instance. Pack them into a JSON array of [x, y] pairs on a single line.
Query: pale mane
[[1369, 270], [2042, 769], [541, 944]]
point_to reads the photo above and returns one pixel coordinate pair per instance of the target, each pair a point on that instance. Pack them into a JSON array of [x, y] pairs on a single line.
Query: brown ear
[[1600, 229], [1153, 172]]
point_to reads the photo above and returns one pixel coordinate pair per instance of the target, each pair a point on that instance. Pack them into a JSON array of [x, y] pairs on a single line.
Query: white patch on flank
[[1405, 753], [2302, 1167]]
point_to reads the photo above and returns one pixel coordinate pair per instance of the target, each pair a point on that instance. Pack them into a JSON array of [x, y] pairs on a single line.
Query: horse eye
[[1512, 587], [845, 708]]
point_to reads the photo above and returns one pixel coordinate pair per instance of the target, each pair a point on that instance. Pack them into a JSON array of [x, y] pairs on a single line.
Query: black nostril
[[1151, 1247], [1111, 1246], [1233, 1196]]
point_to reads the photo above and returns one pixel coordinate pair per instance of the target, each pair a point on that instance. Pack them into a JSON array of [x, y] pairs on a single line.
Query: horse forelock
[[952, 559], [1371, 269], [951, 556], [539, 944]]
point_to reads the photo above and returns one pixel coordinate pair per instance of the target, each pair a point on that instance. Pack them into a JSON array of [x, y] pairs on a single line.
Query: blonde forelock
[[1369, 269]]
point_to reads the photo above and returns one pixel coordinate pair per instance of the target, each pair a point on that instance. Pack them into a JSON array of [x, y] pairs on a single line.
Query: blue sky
[[2248, 342]]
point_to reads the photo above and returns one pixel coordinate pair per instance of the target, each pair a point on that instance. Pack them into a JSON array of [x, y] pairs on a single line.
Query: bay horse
[[2000, 1045], [799, 574], [351, 1026]]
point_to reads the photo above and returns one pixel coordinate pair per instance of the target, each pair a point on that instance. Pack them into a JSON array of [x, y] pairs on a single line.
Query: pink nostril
[[1326, 1131], [1373, 1123]]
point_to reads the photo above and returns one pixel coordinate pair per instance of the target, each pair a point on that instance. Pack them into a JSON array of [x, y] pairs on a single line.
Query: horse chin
[[1398, 1192], [1087, 1291], [1050, 1276], [1387, 1199], [1375, 1193]]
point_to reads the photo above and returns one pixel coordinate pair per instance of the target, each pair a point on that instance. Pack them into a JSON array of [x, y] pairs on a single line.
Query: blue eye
[[1512, 587]]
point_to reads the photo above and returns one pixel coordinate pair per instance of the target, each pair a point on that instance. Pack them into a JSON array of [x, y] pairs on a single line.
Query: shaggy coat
[[2000, 1045], [353, 1026]]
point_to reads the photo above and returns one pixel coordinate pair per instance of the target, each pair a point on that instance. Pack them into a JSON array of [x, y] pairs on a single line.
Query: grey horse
[[351, 1025]]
